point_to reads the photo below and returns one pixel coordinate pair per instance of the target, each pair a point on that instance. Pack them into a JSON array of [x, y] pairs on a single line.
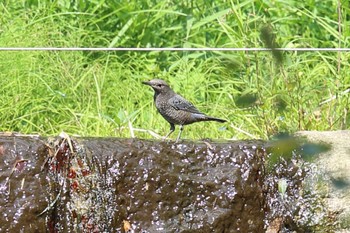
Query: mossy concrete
[[335, 165]]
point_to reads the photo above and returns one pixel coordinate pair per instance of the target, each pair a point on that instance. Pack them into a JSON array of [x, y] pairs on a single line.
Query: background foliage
[[100, 93]]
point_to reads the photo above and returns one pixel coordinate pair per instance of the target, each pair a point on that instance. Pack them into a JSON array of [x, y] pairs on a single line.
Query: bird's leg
[[172, 128], [178, 136]]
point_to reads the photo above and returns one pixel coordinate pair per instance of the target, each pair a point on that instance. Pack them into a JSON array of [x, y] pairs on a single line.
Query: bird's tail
[[209, 118], [203, 117]]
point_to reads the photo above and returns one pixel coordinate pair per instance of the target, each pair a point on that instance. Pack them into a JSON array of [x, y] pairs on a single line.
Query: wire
[[173, 49]]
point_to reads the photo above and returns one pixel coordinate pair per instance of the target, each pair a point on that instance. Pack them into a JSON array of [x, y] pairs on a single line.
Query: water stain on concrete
[[132, 185]]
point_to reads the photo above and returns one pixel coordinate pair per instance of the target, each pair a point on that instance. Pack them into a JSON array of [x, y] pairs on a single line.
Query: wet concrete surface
[[23, 192], [131, 185]]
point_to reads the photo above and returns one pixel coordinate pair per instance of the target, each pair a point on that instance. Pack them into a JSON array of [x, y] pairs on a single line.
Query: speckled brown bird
[[174, 108]]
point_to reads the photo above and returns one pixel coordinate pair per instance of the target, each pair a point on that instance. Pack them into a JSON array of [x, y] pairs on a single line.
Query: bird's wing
[[180, 103]]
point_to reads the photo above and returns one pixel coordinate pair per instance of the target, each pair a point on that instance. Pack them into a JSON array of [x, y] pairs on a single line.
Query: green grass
[[100, 93]]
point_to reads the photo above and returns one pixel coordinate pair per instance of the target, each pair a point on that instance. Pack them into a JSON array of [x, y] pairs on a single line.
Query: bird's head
[[158, 85]]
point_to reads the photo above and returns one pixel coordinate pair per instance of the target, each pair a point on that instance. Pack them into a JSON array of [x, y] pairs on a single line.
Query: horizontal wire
[[172, 49]]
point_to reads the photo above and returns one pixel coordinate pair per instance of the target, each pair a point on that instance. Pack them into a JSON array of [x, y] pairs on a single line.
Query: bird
[[176, 109]]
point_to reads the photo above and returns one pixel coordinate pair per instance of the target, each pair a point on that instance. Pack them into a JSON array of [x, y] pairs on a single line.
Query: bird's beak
[[147, 83]]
